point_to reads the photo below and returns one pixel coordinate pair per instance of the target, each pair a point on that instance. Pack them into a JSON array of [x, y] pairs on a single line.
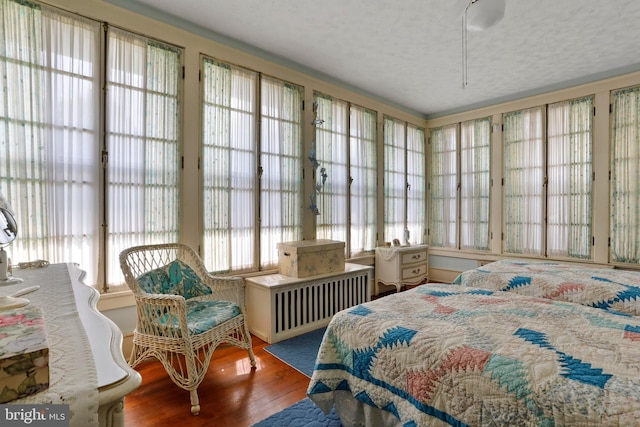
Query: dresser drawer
[[415, 271], [414, 257]]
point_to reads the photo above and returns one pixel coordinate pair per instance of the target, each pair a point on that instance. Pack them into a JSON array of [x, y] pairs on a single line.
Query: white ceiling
[[409, 52]]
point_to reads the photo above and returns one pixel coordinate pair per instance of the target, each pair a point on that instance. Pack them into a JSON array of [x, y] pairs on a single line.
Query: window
[[475, 183], [570, 178], [143, 144], [460, 185], [49, 133], [404, 181], [229, 163], [444, 187], [547, 187], [235, 163], [363, 142], [625, 176], [50, 124], [523, 181], [346, 151], [280, 167]]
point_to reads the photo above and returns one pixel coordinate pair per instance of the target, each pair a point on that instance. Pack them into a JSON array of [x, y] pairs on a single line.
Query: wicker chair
[[184, 312]]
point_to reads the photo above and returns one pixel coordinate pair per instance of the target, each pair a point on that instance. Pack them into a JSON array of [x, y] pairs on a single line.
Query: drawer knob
[[416, 256]]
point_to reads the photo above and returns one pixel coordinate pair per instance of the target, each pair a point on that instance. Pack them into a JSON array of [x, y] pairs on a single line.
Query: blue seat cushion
[[175, 278], [204, 315]]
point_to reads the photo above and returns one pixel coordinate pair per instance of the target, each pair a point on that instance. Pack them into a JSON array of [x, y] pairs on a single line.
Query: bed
[[441, 355], [609, 289]]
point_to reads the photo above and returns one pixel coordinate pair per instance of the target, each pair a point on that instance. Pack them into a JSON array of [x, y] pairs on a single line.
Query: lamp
[[8, 232]]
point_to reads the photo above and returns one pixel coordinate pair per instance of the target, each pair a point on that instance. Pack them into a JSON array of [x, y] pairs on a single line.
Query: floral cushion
[[204, 315], [175, 278]]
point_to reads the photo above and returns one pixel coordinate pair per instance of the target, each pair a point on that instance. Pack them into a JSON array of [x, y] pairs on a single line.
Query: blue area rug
[[299, 352], [302, 414]]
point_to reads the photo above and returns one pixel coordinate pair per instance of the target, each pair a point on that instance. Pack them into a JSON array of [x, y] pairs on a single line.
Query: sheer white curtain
[[475, 168], [229, 166], [416, 185], [49, 141], [363, 178], [570, 178], [444, 186], [143, 144], [395, 179], [524, 181], [625, 176], [332, 153], [281, 167]]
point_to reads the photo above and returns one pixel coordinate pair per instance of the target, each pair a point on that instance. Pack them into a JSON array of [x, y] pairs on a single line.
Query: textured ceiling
[[409, 52]]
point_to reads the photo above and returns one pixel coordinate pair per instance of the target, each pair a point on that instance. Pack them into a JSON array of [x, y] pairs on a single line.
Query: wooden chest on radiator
[[305, 258]]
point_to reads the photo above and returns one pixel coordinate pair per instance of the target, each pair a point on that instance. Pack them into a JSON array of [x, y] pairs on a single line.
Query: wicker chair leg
[[195, 402], [247, 340]]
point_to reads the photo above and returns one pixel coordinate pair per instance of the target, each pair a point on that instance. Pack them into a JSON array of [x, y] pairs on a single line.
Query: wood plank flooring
[[232, 394]]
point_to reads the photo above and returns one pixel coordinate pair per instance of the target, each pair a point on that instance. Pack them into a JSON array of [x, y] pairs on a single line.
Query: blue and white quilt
[[442, 355], [605, 288]]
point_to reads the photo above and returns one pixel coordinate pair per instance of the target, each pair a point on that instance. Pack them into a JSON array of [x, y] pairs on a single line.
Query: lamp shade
[[483, 14]]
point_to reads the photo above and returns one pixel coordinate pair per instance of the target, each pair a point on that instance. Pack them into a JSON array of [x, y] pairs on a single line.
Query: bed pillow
[[175, 278]]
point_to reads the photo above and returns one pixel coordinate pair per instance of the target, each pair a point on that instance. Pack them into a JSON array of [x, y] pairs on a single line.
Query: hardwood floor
[[232, 394]]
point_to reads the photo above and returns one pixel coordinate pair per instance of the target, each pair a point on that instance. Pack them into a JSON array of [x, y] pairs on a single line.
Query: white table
[[87, 368], [401, 265]]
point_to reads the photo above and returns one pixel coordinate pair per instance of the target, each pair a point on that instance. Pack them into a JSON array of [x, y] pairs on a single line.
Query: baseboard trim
[[442, 275]]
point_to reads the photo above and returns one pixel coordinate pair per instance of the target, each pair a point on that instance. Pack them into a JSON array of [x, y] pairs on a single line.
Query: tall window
[[404, 181], [49, 136], [444, 186], [252, 196], [363, 179], [416, 184], [332, 138], [229, 163], [570, 178], [280, 167], [346, 149], [460, 186], [523, 181], [143, 143], [551, 180], [625, 176]]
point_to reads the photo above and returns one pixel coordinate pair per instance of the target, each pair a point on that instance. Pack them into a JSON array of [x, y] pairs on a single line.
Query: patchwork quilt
[[608, 289], [442, 355]]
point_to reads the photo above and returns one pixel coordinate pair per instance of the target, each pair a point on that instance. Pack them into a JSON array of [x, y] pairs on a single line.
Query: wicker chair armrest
[[155, 312], [227, 289]]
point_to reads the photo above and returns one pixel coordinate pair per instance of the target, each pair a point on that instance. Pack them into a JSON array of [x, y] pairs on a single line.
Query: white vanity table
[[87, 369]]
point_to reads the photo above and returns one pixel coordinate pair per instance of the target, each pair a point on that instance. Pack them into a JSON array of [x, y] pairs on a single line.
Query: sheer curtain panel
[[280, 167], [395, 179], [475, 185], [49, 133], [332, 152], [523, 190], [229, 163], [444, 186], [569, 177], [625, 176], [363, 180], [416, 184], [143, 144]]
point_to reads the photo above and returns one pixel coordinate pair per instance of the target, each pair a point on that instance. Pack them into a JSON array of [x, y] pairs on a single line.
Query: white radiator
[[280, 307]]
